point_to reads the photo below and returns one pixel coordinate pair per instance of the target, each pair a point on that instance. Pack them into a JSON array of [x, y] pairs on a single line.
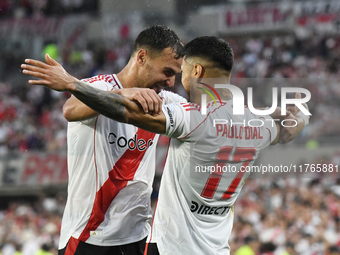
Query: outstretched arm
[[293, 123], [113, 106]]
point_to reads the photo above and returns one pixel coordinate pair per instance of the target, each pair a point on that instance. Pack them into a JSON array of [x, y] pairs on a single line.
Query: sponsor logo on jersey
[[208, 210], [170, 116], [131, 143]]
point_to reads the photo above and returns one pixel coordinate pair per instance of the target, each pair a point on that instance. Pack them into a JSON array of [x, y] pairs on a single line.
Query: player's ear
[[141, 57], [198, 71]]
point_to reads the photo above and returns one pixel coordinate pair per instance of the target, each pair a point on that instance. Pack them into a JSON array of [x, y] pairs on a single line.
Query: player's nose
[[170, 82]]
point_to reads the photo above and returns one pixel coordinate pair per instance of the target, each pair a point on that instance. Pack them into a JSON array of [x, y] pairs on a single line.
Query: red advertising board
[[260, 17]]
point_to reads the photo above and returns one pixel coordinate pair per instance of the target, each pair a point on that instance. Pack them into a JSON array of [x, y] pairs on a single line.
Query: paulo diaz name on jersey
[[132, 143]]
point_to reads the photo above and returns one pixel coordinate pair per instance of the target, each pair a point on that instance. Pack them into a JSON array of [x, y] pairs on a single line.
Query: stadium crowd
[[281, 217], [27, 8], [32, 120], [287, 216], [31, 228], [292, 216]]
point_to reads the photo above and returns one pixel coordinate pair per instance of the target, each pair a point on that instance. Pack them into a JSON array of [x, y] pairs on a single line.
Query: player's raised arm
[[296, 116], [294, 122], [111, 105]]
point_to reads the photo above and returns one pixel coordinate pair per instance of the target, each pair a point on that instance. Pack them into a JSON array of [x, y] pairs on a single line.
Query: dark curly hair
[[157, 38], [213, 49]]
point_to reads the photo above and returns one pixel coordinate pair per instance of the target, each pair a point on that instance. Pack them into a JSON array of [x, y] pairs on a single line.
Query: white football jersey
[[111, 167], [202, 177]]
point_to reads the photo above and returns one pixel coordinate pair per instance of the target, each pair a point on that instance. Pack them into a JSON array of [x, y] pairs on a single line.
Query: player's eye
[[169, 73]]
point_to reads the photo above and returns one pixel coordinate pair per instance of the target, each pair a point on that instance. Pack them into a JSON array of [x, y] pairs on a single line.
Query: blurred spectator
[[45, 250], [32, 119], [249, 248], [307, 222], [267, 248], [31, 228]]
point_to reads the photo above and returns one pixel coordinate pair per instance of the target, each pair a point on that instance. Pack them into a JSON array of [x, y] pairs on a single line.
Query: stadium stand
[[272, 216]]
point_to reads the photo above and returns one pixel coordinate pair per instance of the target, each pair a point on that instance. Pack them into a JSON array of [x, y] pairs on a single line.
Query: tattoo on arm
[[227, 95], [108, 104]]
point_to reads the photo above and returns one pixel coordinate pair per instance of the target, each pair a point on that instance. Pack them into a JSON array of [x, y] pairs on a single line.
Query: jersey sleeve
[[170, 97], [177, 120], [182, 119], [100, 84]]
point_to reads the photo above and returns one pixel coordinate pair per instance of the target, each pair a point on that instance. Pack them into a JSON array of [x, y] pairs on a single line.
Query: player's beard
[[147, 80]]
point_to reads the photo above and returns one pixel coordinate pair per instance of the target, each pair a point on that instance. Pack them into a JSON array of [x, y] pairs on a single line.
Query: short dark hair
[[157, 38], [213, 49]]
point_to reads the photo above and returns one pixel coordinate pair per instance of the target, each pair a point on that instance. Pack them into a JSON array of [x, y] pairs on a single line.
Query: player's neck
[[127, 76], [210, 78], [196, 99]]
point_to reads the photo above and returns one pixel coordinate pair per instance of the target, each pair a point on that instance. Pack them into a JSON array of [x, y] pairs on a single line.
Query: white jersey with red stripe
[[111, 167], [201, 179]]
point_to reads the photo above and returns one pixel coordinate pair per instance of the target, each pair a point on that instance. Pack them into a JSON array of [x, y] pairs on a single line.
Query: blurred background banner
[[278, 40], [32, 34], [261, 17], [33, 169], [243, 17]]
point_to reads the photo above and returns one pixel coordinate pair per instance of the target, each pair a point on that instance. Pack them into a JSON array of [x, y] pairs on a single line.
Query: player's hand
[[293, 123], [287, 131], [51, 74], [147, 98], [276, 115], [292, 127], [294, 109]]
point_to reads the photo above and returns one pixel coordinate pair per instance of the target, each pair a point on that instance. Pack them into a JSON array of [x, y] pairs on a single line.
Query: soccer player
[[194, 214], [111, 165]]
